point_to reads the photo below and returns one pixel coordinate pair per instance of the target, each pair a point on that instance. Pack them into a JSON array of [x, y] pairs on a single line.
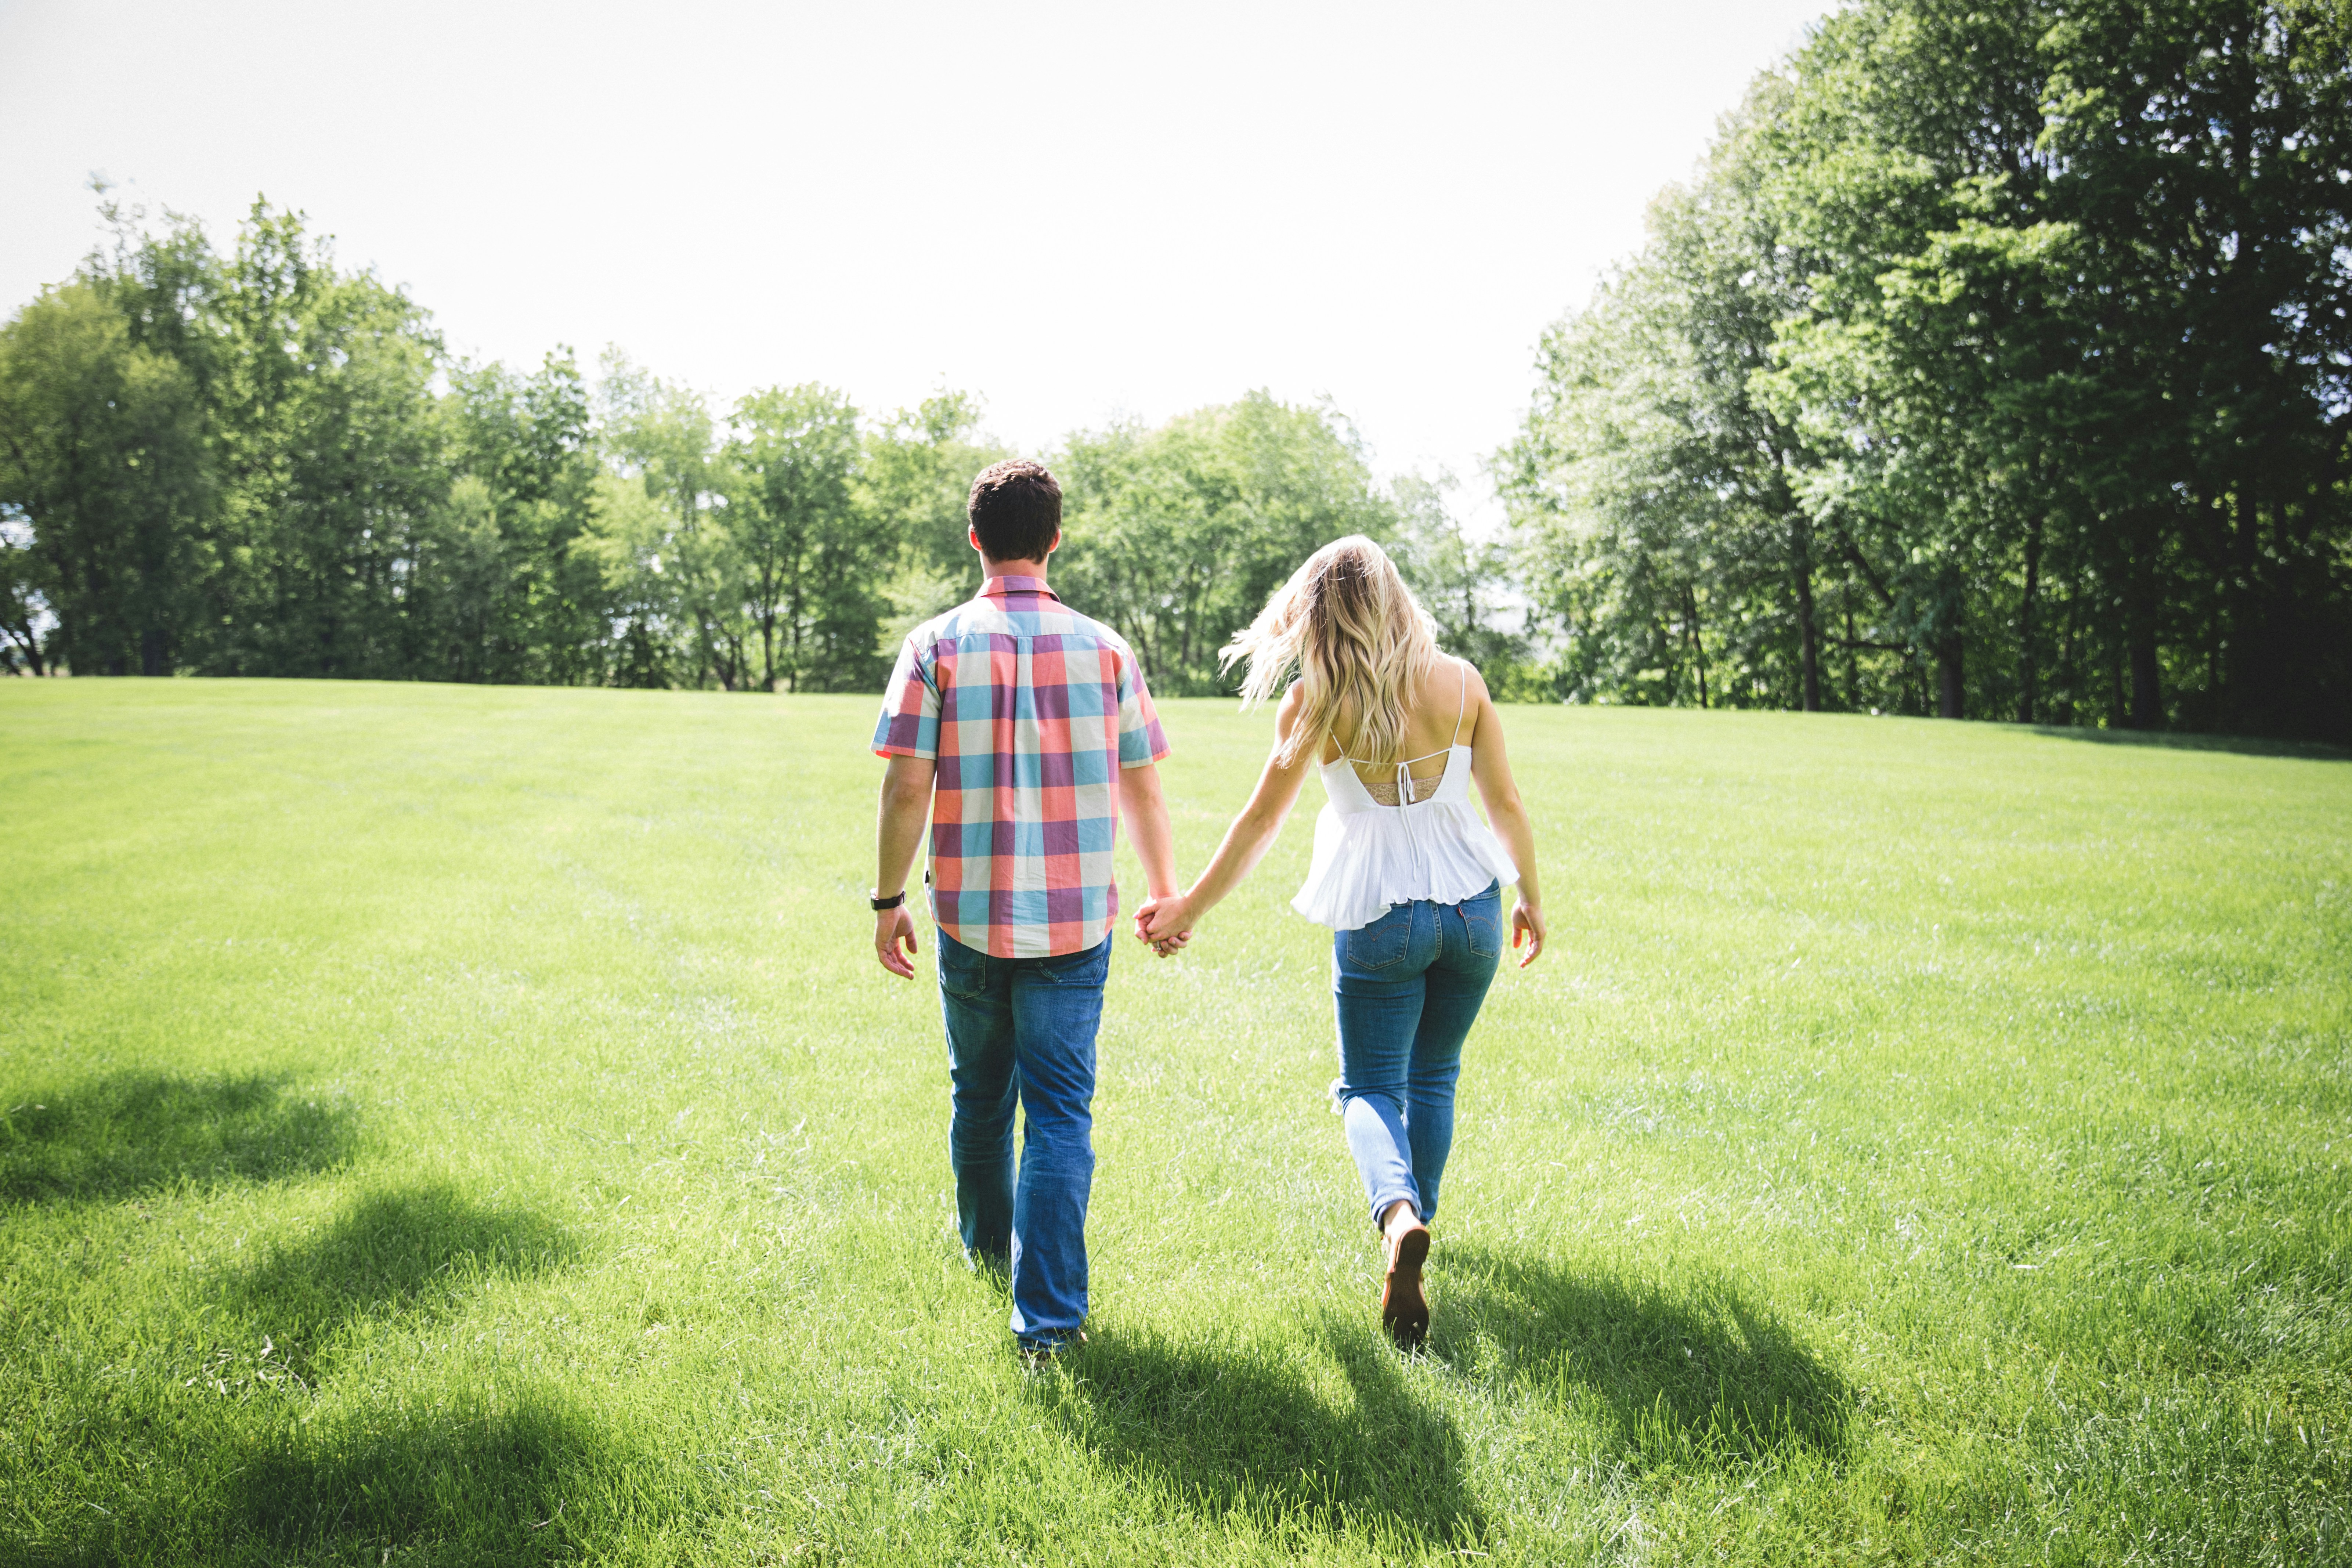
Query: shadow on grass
[[1260, 1429], [1698, 1377], [2245, 746], [494, 1475], [523, 1479], [118, 1136], [481, 1472], [417, 1246]]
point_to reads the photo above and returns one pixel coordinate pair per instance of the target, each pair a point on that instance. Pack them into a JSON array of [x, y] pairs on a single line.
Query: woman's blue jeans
[[1407, 987], [1021, 1031]]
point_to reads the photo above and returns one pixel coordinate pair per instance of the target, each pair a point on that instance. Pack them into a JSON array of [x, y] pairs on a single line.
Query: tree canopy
[[1994, 364], [257, 463]]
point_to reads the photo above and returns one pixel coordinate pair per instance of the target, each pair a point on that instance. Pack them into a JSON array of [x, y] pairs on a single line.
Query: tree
[[502, 588], [102, 473], [807, 561], [1177, 535], [663, 437], [913, 488], [1464, 583], [2041, 407], [1657, 497]]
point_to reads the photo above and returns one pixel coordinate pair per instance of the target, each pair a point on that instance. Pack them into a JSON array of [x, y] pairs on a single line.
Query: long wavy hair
[[1358, 641]]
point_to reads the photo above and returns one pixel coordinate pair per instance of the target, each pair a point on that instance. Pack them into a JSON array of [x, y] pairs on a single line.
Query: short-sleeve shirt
[[1031, 710]]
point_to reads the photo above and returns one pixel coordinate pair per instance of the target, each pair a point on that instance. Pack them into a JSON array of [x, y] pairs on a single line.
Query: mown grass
[[465, 1126]]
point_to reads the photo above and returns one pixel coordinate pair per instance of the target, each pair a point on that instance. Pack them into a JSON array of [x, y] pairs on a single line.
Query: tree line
[[252, 461], [1996, 362]]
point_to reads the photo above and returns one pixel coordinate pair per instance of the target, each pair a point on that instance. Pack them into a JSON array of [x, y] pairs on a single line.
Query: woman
[[1405, 874]]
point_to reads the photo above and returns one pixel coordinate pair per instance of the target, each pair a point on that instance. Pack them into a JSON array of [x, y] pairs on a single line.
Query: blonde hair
[[1359, 640]]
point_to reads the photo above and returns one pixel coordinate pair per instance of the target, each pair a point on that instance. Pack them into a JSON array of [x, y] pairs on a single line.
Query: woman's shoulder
[[1452, 681], [1458, 682]]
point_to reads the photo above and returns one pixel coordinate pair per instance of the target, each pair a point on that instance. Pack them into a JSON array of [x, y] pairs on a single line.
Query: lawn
[[454, 1125]]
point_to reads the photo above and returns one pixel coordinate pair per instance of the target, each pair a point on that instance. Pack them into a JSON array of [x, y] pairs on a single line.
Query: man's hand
[[892, 927], [905, 807], [1166, 923]]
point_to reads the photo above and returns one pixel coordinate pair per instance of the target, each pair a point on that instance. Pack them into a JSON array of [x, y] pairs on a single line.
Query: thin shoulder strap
[[1462, 706]]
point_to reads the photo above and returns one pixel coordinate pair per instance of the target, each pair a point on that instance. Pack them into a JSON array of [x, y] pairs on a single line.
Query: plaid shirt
[[1031, 710]]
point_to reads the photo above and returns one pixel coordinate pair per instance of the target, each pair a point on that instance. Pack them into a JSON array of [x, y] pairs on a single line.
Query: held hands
[[1166, 923], [1527, 925], [892, 927]]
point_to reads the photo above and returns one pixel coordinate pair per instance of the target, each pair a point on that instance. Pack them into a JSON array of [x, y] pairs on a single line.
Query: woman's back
[[1439, 716], [1391, 833]]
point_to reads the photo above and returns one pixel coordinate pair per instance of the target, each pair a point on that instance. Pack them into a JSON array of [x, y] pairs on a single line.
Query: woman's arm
[[1246, 841], [1491, 767]]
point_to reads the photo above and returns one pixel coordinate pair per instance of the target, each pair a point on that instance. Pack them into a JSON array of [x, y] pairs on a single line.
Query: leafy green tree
[[913, 488], [1655, 496], [26, 619], [627, 533], [664, 437], [1464, 583], [809, 561], [2042, 408], [331, 457], [102, 473], [501, 589], [1176, 536]]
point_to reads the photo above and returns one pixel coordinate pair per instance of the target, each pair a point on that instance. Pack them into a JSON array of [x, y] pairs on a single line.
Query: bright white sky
[[1077, 211]]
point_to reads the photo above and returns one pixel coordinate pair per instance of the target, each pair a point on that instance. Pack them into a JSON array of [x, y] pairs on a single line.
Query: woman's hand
[[1527, 925], [1165, 924]]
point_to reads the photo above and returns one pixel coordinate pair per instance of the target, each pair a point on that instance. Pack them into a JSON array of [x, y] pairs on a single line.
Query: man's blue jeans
[[1021, 1031], [1407, 987]]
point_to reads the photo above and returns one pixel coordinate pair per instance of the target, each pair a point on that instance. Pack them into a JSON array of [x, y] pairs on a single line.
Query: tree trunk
[[2026, 672], [2070, 680], [29, 647], [1853, 657], [1951, 692], [1699, 648], [2145, 705], [2146, 696], [1808, 641]]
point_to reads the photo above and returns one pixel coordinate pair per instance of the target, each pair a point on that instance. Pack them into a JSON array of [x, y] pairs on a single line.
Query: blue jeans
[[1021, 1031], [1407, 987]]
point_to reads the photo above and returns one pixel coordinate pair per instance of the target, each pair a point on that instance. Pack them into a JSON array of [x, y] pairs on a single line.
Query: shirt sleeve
[[909, 725], [1140, 740]]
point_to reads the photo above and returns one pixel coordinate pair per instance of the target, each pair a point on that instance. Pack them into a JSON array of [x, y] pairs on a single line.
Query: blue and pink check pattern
[[1030, 710]]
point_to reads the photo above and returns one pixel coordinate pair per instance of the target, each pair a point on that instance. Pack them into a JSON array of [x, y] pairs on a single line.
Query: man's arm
[[906, 812], [1145, 807], [1246, 842]]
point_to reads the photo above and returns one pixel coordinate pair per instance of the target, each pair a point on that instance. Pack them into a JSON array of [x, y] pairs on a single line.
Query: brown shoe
[[1405, 1308]]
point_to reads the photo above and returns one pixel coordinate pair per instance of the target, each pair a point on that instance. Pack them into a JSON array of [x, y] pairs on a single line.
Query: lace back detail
[[1384, 790]]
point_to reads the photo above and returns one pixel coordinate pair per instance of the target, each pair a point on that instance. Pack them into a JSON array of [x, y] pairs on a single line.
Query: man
[[1022, 731]]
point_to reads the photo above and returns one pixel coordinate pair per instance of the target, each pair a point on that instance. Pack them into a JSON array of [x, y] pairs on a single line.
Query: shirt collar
[[1001, 586]]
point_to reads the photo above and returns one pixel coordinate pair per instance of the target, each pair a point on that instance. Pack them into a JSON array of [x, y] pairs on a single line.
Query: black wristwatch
[[892, 902]]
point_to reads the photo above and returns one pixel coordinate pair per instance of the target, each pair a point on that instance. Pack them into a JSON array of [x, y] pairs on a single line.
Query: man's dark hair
[[1016, 510]]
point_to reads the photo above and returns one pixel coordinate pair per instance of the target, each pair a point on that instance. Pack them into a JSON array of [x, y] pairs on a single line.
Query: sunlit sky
[[1079, 212]]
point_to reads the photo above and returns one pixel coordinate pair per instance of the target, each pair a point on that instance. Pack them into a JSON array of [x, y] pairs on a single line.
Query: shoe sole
[[1405, 1308]]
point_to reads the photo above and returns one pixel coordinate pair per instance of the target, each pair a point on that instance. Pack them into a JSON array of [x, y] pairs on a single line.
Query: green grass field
[[448, 1125]]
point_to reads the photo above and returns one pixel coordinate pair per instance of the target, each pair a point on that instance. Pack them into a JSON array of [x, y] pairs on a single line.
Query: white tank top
[[1369, 856]]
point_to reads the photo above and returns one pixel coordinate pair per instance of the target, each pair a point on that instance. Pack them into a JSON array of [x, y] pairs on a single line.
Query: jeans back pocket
[[1379, 944], [1482, 920]]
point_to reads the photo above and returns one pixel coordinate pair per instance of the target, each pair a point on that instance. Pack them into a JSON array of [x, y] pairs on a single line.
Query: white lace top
[[1369, 855]]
